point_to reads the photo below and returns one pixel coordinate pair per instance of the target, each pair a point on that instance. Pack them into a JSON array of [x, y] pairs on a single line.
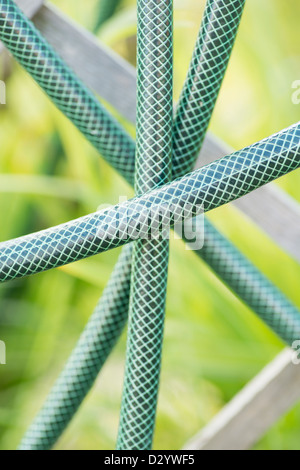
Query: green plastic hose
[[207, 48], [150, 257], [96, 343], [203, 190], [65, 89], [41, 64], [12, 17], [210, 59], [110, 316]]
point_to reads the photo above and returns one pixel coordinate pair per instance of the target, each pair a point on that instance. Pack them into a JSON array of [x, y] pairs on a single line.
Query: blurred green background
[[49, 174]]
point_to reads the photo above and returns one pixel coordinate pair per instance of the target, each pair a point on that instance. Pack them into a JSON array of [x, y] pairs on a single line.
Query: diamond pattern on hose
[[203, 190], [126, 165], [235, 270], [81, 370], [209, 63], [150, 258], [194, 85], [69, 94]]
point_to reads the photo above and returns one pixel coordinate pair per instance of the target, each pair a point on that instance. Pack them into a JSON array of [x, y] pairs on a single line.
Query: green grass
[[49, 174]]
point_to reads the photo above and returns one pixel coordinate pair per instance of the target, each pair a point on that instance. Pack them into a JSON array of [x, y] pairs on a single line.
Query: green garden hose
[[205, 76], [205, 189], [110, 316], [12, 17], [96, 343], [40, 65], [208, 49], [150, 257], [210, 60], [66, 91]]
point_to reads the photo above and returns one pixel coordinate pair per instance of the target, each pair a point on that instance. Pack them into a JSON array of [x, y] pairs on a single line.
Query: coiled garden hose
[[41, 64], [207, 50]]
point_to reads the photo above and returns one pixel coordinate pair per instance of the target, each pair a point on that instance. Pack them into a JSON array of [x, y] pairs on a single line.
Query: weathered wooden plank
[[115, 81], [254, 410], [30, 7]]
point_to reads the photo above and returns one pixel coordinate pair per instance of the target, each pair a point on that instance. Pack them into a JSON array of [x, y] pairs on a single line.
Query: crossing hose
[[210, 59], [110, 316], [205, 189], [67, 92], [93, 348], [150, 257], [18, 49], [207, 49]]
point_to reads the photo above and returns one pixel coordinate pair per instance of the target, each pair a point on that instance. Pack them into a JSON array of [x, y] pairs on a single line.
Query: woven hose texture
[[235, 270], [95, 344], [150, 257], [208, 49], [236, 10], [206, 72], [67, 92], [210, 187], [211, 57], [110, 317], [210, 60]]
